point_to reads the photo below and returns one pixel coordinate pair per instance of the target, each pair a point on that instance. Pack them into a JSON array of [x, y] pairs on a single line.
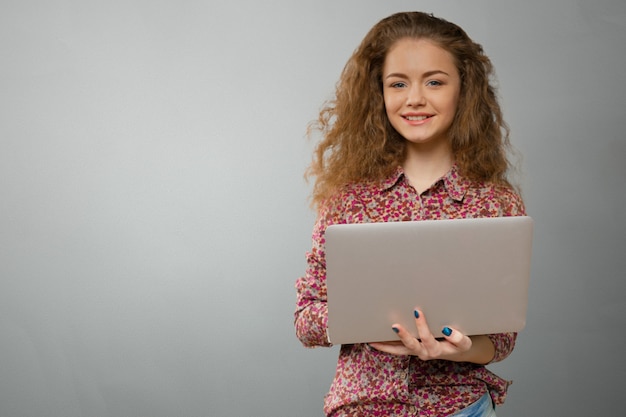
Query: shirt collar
[[454, 183]]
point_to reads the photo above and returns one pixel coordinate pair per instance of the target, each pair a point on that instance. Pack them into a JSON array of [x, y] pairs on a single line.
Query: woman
[[415, 132]]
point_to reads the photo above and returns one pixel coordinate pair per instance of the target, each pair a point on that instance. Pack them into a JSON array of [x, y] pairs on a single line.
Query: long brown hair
[[358, 142]]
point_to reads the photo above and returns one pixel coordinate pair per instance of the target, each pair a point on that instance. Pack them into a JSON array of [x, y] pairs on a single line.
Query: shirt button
[[403, 375]]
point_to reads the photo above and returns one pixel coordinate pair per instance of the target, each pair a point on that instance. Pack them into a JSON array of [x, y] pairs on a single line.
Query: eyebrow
[[426, 74]]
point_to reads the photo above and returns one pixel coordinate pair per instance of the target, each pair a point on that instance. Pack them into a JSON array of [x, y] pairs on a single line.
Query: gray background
[[153, 215]]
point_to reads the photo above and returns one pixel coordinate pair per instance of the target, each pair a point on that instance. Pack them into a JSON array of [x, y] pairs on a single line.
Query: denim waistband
[[481, 408]]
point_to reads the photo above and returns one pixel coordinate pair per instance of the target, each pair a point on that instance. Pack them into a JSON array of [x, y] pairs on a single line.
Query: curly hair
[[358, 142]]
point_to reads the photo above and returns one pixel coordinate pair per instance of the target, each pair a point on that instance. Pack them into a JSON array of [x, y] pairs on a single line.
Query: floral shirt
[[373, 383]]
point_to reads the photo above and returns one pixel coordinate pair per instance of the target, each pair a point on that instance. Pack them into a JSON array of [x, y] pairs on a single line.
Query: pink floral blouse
[[372, 383]]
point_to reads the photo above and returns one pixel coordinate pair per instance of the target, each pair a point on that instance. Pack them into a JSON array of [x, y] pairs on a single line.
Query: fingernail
[[446, 331], [395, 329], [416, 314]]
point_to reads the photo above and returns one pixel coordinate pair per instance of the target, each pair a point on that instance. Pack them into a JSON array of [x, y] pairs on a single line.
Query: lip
[[423, 118]]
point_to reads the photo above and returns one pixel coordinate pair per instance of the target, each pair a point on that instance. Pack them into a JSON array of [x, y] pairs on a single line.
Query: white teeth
[[416, 118]]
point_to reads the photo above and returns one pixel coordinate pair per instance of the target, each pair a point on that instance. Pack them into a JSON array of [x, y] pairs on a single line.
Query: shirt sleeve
[[311, 315], [504, 344], [511, 204]]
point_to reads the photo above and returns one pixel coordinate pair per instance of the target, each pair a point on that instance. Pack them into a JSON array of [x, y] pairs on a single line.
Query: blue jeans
[[481, 408]]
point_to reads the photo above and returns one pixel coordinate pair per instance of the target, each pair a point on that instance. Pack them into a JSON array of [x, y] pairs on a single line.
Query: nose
[[415, 96]]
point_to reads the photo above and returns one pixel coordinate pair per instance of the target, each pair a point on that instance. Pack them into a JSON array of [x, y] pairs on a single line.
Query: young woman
[[415, 132]]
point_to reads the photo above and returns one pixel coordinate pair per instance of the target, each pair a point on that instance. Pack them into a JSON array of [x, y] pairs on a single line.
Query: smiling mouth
[[416, 118]]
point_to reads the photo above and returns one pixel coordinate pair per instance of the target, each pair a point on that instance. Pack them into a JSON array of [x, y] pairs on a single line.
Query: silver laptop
[[468, 274]]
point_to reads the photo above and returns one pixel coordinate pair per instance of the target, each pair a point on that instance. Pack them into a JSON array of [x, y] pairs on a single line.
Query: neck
[[423, 167]]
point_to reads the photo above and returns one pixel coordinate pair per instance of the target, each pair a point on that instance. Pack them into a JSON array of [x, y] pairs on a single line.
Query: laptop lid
[[468, 274]]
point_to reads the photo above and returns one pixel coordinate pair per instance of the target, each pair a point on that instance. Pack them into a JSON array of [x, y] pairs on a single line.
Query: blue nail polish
[[395, 329], [446, 331], [416, 314]]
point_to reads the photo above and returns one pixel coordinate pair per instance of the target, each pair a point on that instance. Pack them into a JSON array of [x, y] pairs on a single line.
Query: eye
[[434, 83], [398, 84]]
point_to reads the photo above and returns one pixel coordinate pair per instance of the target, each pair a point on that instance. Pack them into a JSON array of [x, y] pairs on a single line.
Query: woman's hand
[[453, 345]]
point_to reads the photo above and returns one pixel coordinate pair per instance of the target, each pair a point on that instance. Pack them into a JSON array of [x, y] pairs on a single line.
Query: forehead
[[410, 54]]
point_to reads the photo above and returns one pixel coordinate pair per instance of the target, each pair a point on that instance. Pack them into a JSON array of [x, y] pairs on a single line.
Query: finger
[[410, 342], [394, 348], [383, 344], [424, 333], [455, 337]]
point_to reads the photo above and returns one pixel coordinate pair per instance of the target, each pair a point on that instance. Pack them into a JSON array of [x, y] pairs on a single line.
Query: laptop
[[467, 274]]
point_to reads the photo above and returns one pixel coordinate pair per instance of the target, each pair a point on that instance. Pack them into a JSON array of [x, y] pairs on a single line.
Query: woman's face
[[421, 87]]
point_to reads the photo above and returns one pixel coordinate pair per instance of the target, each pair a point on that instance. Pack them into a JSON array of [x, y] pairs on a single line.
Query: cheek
[[452, 105], [386, 100], [388, 105], [391, 103], [455, 101]]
